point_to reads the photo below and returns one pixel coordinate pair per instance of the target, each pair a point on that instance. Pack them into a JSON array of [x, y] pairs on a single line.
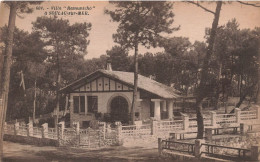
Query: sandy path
[[21, 152]]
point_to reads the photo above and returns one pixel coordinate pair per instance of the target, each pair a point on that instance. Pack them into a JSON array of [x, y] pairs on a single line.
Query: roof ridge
[[144, 83]]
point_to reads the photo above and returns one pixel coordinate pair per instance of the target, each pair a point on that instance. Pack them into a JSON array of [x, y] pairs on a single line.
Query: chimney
[[109, 66]]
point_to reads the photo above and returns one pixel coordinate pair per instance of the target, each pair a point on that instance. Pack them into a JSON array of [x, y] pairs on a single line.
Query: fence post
[[238, 115], [119, 133], [76, 127], [243, 128], [208, 134], [198, 148], [16, 128], [102, 130], [173, 137], [255, 152], [154, 127], [160, 146], [213, 116], [60, 132], [30, 129], [45, 130], [185, 119]]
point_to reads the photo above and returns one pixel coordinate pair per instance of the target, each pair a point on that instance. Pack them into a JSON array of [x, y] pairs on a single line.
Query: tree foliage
[[65, 43], [118, 57], [236, 53], [140, 23], [148, 19]]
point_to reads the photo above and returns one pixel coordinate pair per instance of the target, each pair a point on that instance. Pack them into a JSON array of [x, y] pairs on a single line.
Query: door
[[119, 109]]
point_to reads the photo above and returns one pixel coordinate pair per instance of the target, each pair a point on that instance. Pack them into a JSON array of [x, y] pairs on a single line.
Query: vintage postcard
[[129, 80]]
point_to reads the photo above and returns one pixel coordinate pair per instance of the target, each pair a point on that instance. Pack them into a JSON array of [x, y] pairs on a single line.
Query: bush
[[50, 122], [93, 124], [107, 118]]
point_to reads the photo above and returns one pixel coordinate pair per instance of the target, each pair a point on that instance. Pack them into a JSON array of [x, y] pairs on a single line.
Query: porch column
[[170, 109], [71, 107], [157, 108], [164, 105], [139, 108]]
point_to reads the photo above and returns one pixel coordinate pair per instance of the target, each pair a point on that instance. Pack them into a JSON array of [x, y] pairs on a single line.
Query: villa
[[108, 94]]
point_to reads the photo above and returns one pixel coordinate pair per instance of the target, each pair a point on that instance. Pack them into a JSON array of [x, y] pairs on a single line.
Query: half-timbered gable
[[104, 84]]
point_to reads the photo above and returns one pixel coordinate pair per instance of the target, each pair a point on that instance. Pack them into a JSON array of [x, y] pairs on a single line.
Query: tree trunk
[[243, 96], [199, 118], [135, 82], [57, 109], [1, 70], [240, 85], [202, 92], [258, 77], [6, 70], [217, 88], [34, 102], [58, 80], [216, 98]]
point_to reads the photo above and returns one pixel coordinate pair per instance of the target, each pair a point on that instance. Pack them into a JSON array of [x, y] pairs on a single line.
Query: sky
[[192, 20]]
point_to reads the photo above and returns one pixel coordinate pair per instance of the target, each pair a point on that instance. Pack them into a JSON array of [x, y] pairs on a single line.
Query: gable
[[111, 81], [103, 84]]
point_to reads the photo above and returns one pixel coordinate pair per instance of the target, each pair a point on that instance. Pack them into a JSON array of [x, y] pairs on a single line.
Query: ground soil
[[28, 153]]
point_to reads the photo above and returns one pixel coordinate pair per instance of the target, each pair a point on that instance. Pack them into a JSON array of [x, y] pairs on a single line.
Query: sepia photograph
[[131, 80]]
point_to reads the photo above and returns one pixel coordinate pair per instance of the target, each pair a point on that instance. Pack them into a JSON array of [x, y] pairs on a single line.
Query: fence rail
[[178, 146], [52, 133], [22, 130], [9, 129], [136, 130], [225, 151], [226, 118], [248, 115], [37, 132], [193, 122], [170, 125]]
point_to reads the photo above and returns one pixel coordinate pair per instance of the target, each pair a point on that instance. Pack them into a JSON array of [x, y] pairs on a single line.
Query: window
[[92, 104], [76, 104], [82, 103], [79, 104]]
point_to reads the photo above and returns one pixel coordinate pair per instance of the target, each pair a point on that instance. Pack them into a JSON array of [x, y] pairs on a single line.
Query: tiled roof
[[144, 83]]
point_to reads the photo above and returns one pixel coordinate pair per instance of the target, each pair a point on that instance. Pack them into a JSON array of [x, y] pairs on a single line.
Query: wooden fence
[[226, 152], [178, 146], [199, 148]]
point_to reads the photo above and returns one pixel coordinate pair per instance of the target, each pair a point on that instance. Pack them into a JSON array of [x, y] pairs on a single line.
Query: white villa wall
[[104, 99]]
